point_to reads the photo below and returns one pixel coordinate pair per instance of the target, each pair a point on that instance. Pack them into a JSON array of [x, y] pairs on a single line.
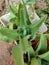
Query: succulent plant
[[20, 29]]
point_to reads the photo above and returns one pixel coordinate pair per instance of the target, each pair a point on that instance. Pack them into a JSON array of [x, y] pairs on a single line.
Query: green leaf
[[14, 20], [29, 57], [31, 51], [36, 26], [45, 56], [45, 62], [14, 9], [46, 10], [26, 15], [24, 43], [18, 55], [11, 26], [48, 1], [39, 35], [39, 60], [9, 33], [26, 64], [23, 15], [28, 36], [12, 16], [20, 15], [42, 46], [34, 61], [29, 1], [4, 38]]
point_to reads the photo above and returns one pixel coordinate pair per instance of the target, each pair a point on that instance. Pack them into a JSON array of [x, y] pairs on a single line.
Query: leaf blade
[[9, 33], [18, 55], [34, 61], [45, 56], [42, 47], [37, 25]]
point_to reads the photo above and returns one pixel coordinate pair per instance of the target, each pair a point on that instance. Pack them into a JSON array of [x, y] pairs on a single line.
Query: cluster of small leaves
[[21, 29]]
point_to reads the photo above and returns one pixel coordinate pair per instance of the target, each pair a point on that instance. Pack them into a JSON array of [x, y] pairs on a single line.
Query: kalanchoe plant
[[20, 29]]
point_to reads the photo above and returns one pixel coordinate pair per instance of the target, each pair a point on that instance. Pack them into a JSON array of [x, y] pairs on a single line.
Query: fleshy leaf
[[9, 33], [11, 26], [12, 17], [14, 9], [23, 15], [20, 15], [34, 61], [4, 38], [46, 10], [31, 51], [29, 1], [18, 55], [37, 25], [42, 46], [24, 43], [45, 56], [45, 62], [39, 35], [25, 64]]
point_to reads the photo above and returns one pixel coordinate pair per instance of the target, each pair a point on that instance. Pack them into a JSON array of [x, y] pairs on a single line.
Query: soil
[[41, 4], [4, 5], [5, 54]]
